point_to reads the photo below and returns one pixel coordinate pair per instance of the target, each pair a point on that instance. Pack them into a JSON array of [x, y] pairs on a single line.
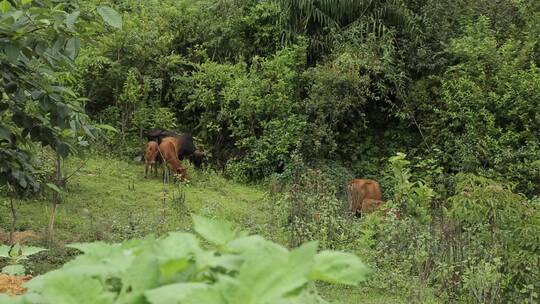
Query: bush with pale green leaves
[[224, 265]]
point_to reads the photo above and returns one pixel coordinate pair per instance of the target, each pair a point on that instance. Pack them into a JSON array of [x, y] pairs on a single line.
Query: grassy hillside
[[111, 200]]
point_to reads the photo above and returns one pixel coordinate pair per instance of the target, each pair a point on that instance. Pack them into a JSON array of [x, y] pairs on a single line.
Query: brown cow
[[168, 149], [364, 195], [150, 157]]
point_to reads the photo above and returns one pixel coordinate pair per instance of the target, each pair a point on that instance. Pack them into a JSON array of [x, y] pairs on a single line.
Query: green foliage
[[16, 254], [319, 19], [500, 229], [249, 108], [38, 42], [414, 198], [343, 91], [309, 210], [177, 269], [487, 119]]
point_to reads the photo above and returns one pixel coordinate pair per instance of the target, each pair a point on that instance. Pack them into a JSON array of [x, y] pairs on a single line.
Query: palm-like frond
[[318, 18]]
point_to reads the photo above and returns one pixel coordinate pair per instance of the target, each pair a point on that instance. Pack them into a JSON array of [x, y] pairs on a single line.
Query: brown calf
[[150, 157], [168, 149], [364, 195]]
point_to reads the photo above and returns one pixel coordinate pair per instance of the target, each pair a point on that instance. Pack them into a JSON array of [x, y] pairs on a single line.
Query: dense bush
[[482, 250], [487, 118]]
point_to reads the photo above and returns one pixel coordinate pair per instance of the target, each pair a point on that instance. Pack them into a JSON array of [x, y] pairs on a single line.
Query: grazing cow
[[168, 149], [364, 196], [186, 145], [150, 157]]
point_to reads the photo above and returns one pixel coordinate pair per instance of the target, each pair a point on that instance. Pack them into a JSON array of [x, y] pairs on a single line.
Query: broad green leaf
[[245, 243], [173, 293], [5, 133], [17, 14], [107, 127], [110, 16], [5, 6], [101, 259], [53, 187], [62, 288], [229, 262], [14, 269], [178, 245], [15, 251], [215, 231], [339, 267], [4, 251], [30, 250], [12, 53], [171, 267], [71, 19], [143, 273], [281, 273], [62, 149], [73, 46], [24, 2], [212, 295]]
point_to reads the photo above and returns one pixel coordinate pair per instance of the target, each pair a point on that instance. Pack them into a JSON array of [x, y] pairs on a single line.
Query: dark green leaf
[[5, 133], [12, 53], [71, 19], [73, 46], [110, 16], [62, 149]]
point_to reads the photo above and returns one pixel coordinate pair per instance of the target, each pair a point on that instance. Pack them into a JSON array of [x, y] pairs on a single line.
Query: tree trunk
[[56, 199], [14, 220]]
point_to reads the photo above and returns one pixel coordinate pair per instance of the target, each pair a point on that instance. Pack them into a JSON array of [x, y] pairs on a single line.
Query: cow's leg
[[163, 173], [146, 170]]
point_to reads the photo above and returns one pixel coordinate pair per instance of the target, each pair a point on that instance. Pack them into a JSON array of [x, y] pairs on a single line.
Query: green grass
[[110, 200]]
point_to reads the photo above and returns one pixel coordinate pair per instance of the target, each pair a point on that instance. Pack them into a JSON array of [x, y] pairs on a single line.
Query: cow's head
[[182, 172]]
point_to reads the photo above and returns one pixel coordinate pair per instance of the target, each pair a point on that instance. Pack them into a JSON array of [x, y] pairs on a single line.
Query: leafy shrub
[[232, 268], [309, 210], [249, 116], [413, 198], [499, 232], [487, 118]]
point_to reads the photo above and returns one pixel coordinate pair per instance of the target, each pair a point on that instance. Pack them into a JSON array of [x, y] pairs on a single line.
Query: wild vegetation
[[437, 100]]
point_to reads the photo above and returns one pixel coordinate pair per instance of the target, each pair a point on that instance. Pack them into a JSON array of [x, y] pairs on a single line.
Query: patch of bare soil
[[21, 237], [12, 285]]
